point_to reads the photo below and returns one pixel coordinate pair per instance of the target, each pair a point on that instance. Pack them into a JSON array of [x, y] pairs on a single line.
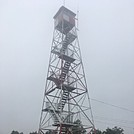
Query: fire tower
[[66, 105]]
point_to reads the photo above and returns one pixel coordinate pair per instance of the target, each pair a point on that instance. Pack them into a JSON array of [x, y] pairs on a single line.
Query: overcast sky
[[106, 36]]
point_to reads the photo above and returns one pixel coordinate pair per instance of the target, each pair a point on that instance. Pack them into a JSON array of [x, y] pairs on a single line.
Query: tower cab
[[64, 20]]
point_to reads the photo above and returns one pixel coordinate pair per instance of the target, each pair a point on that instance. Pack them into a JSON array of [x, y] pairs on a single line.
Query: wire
[[112, 120], [112, 124], [122, 108], [105, 120]]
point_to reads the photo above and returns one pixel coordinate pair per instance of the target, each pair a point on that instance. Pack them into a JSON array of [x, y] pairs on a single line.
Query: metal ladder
[[63, 75], [64, 71], [64, 45], [63, 130], [63, 100]]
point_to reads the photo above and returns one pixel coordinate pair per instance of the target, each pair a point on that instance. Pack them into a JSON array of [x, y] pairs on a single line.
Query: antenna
[[77, 19], [64, 1], [77, 15]]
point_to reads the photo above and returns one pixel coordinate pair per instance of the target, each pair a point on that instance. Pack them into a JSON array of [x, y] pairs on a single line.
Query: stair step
[[55, 119], [66, 58], [63, 74], [68, 39], [63, 56], [63, 100], [64, 97], [67, 65], [65, 71]]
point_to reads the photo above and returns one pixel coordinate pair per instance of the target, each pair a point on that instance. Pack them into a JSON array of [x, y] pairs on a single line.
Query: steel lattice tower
[[66, 106]]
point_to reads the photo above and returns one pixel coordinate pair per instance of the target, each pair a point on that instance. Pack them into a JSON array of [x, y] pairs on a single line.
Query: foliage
[[78, 129], [16, 132], [114, 130], [98, 132], [33, 133]]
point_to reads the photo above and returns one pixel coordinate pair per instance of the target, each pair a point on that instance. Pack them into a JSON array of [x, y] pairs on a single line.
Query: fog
[[106, 36]]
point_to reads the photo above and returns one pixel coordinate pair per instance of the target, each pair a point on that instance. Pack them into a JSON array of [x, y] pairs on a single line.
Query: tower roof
[[64, 9]]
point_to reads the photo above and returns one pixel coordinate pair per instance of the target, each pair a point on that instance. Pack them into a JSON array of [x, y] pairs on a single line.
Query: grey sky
[[106, 36]]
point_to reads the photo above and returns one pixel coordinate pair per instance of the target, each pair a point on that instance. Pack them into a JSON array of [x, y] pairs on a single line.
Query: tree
[[33, 132], [114, 130], [98, 132], [16, 132]]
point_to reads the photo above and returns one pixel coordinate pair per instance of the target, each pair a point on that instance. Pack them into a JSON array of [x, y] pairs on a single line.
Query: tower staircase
[[63, 130], [55, 118], [59, 81], [69, 38], [63, 100], [64, 71]]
